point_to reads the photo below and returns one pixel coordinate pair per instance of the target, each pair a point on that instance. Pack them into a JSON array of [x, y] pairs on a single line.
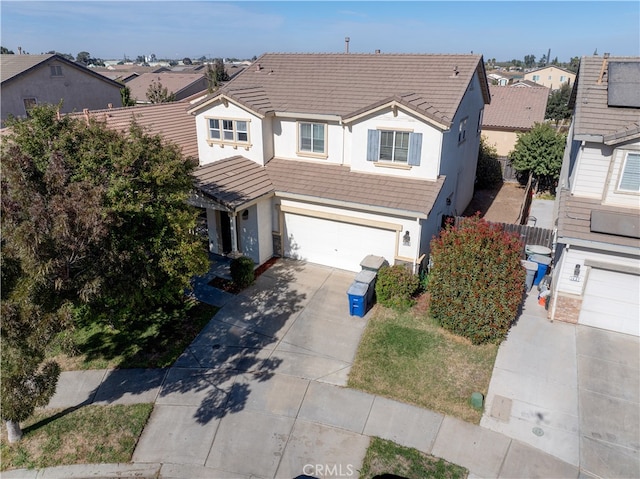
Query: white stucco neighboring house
[[597, 275], [332, 157]]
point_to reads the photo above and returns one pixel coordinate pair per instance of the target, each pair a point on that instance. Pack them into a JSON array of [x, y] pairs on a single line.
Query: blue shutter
[[373, 145], [415, 148]]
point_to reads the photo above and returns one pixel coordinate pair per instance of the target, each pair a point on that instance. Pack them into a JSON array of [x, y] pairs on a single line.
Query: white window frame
[[462, 130], [625, 163], [395, 148], [311, 150], [480, 116], [228, 131]]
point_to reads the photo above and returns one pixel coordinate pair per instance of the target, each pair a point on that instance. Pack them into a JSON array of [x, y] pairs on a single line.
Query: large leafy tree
[[93, 220], [558, 104], [538, 154]]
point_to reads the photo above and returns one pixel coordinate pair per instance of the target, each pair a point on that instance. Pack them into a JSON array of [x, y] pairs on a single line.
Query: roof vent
[[455, 72], [258, 67], [378, 52], [346, 44]]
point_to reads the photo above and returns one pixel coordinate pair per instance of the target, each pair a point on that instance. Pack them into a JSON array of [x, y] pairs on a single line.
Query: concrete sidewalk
[[260, 393]]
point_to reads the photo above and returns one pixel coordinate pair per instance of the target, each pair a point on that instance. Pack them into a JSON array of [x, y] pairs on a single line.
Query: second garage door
[[611, 301], [334, 243]]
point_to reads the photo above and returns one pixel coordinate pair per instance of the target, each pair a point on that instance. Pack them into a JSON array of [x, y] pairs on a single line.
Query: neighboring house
[[552, 77], [27, 80], [496, 79], [512, 110], [332, 157], [596, 280], [182, 85], [525, 84]]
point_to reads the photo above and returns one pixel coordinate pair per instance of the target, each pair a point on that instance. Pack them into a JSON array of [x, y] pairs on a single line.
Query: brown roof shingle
[[515, 108], [344, 84], [593, 117], [574, 220], [170, 120], [173, 82]]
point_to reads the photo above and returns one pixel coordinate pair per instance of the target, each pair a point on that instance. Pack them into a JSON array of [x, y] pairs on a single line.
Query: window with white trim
[[312, 138], [462, 130], [480, 116], [391, 146], [536, 78], [226, 131], [630, 177]]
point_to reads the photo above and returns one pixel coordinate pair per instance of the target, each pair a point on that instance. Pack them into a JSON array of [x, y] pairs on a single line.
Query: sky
[[503, 30]]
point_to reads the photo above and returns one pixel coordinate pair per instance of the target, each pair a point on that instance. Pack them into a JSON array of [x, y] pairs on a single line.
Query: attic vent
[[624, 84]]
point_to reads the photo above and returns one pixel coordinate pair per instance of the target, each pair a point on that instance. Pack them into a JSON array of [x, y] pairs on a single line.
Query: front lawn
[[386, 457], [88, 435], [407, 357], [155, 342]]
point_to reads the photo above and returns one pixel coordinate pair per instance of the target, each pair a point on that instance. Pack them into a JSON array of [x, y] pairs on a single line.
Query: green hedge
[[242, 271], [477, 280], [395, 286]]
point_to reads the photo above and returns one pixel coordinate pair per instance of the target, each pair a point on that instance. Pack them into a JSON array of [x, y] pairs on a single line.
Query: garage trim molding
[[341, 218], [618, 268]]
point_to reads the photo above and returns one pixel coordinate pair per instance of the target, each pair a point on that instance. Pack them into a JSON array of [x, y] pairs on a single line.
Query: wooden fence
[[528, 234]]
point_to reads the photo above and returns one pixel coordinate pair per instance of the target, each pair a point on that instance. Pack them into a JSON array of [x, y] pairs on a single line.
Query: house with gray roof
[[330, 158], [27, 80], [597, 274]]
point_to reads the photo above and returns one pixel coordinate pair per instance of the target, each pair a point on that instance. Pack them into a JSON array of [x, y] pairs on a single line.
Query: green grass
[[88, 435], [155, 342], [407, 357], [386, 457]]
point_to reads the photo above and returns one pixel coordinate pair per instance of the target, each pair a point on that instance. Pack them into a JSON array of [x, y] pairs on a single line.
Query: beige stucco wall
[[504, 141], [551, 77]]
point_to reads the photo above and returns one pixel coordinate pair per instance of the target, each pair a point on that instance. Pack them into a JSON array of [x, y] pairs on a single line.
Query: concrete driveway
[[237, 392], [572, 391]]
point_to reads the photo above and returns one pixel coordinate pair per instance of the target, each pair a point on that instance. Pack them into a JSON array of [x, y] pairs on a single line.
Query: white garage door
[[612, 301], [333, 243]]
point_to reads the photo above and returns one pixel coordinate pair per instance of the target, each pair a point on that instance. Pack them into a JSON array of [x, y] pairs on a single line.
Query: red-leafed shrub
[[395, 287], [476, 281]]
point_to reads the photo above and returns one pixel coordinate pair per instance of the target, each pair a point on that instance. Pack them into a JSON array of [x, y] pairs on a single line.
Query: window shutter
[[373, 145], [630, 180], [415, 148]]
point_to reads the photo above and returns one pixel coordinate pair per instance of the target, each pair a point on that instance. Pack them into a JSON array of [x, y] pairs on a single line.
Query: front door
[[225, 232]]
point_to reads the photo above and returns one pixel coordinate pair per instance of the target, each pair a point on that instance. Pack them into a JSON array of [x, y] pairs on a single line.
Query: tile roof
[[237, 180], [574, 220], [344, 84], [170, 120], [173, 82], [339, 183], [515, 108], [12, 66], [592, 116], [233, 181]]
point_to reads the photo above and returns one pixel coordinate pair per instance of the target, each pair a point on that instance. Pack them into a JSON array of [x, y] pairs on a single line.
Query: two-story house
[[551, 76], [333, 157], [597, 275], [28, 80]]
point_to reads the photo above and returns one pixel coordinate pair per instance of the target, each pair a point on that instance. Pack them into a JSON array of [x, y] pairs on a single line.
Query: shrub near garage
[[242, 271], [395, 286], [476, 282]]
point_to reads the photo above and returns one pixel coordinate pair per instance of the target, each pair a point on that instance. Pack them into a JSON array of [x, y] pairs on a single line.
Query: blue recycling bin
[[357, 299], [543, 265], [368, 277]]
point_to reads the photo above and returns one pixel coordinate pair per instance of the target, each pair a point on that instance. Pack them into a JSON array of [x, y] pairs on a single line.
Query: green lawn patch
[[88, 435], [407, 357], [152, 342], [386, 457]]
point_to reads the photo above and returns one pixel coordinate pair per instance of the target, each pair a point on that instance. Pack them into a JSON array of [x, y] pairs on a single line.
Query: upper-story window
[[630, 177], [56, 70], [462, 130], [394, 146], [312, 139], [563, 78], [226, 131], [29, 103], [536, 78], [480, 116]]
